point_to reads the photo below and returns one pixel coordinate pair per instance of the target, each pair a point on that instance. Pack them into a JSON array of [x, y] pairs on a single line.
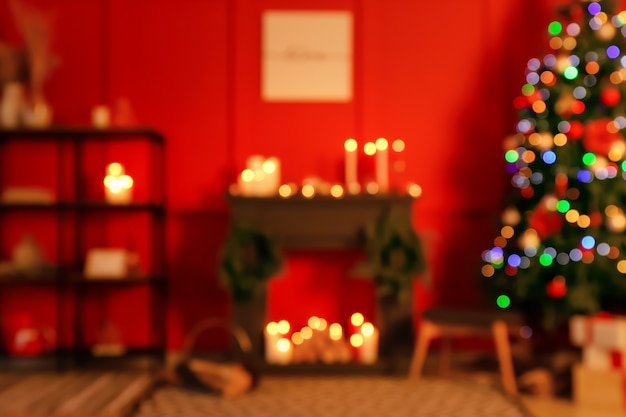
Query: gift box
[[595, 357], [601, 330], [599, 389]]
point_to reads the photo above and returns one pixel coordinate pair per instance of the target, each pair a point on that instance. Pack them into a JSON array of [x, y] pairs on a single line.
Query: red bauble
[[576, 130], [545, 221], [610, 96], [598, 139], [557, 287]]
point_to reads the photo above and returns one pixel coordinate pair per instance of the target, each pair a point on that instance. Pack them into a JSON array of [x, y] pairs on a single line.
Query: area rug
[[341, 396]]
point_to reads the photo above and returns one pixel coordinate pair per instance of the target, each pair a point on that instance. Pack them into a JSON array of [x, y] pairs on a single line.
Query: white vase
[[11, 105]]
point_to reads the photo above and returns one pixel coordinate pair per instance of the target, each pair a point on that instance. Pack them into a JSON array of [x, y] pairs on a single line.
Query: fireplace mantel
[[320, 222]]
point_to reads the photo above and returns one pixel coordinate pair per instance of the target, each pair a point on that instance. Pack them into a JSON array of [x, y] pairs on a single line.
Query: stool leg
[[505, 359], [425, 334], [445, 355]]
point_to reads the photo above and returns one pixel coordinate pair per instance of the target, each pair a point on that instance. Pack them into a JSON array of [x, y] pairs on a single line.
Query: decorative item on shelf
[[37, 113], [27, 261], [394, 259], [249, 258], [109, 342], [23, 336], [33, 66], [118, 187], [30, 195], [11, 105], [111, 263], [101, 117], [261, 178]]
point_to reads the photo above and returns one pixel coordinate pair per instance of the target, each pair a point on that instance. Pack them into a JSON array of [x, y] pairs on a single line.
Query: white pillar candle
[[284, 351], [270, 182], [245, 182], [368, 352], [272, 336], [351, 170], [382, 165]]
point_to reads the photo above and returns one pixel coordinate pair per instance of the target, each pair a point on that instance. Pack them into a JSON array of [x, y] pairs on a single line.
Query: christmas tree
[[562, 247]]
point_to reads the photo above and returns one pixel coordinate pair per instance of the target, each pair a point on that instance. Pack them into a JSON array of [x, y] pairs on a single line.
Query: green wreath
[[394, 255], [248, 259]]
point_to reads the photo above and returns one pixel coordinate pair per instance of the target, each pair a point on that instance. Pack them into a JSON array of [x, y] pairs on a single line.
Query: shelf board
[[27, 280], [131, 280], [75, 133], [82, 206]]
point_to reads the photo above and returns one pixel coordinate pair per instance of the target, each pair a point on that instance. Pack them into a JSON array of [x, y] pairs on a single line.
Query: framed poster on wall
[[307, 56]]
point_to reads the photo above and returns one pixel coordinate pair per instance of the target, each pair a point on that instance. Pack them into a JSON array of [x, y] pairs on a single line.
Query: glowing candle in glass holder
[[118, 186]]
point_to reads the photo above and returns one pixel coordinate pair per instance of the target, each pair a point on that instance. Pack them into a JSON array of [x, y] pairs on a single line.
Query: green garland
[[394, 255], [248, 259]]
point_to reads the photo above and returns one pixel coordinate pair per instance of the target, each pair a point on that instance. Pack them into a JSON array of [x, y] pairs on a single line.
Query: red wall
[[440, 75]]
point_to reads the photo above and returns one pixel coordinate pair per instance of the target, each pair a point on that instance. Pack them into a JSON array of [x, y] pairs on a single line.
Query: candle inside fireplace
[[368, 352]]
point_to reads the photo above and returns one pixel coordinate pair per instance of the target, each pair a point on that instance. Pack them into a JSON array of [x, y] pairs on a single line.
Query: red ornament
[[610, 96], [576, 130], [557, 287], [545, 221], [578, 107], [597, 137]]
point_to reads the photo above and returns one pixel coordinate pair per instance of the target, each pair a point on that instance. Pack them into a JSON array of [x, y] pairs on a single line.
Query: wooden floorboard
[[72, 394]]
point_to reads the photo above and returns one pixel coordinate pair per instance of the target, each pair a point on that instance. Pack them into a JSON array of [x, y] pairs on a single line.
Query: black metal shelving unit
[[71, 212]]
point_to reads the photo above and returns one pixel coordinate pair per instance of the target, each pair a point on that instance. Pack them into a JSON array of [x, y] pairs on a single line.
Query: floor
[[134, 384]]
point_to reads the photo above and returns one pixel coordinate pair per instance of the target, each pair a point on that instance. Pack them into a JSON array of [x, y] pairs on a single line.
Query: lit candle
[[272, 336], [270, 182], [350, 162], [118, 187], [398, 164], [356, 320], [284, 351], [382, 164], [246, 182], [368, 352]]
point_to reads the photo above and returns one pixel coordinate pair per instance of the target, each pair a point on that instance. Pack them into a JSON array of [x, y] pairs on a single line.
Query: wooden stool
[[448, 323]]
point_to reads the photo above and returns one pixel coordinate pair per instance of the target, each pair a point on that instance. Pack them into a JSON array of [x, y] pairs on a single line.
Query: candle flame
[[272, 328], [367, 329], [336, 332], [350, 145], [283, 327], [357, 319], [398, 145], [356, 340], [283, 345], [369, 148], [382, 144]]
